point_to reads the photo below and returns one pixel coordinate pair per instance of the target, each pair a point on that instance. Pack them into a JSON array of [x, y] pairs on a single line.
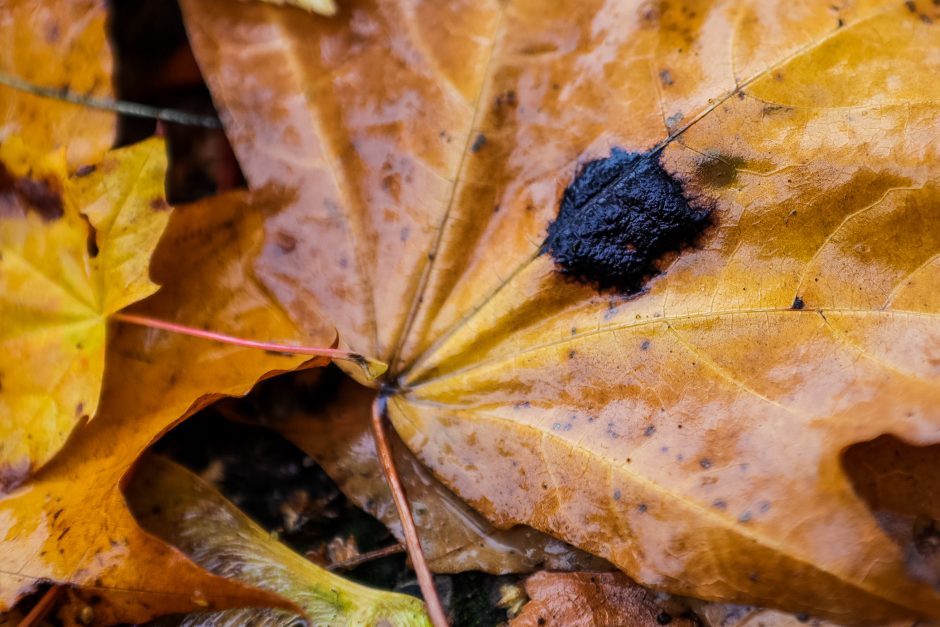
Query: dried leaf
[[57, 44], [73, 251], [70, 524], [753, 184], [454, 537], [177, 506], [587, 599]]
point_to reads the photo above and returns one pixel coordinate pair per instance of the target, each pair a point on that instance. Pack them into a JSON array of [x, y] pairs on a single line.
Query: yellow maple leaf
[[73, 251]]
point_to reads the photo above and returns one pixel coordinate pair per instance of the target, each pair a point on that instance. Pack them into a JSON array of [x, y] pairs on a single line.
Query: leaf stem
[[364, 558], [45, 605], [372, 368], [133, 109], [415, 552]]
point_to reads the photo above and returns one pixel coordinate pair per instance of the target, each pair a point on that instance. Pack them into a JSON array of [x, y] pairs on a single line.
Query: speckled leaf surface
[[454, 538], [69, 524], [686, 424]]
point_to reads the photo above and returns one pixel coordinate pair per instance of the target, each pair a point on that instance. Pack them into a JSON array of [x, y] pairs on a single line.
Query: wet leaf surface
[[686, 425], [70, 524]]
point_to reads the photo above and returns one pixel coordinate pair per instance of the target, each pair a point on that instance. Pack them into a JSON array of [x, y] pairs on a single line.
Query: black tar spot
[[618, 218], [798, 303]]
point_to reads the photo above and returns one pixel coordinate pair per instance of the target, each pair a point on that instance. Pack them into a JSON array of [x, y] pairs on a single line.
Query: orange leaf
[[641, 271]]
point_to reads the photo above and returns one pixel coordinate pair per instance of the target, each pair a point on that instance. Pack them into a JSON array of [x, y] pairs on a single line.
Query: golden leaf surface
[[69, 523], [73, 251], [57, 44], [179, 507], [690, 433]]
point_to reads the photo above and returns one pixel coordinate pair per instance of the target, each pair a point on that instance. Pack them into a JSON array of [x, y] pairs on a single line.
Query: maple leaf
[[640, 271], [176, 505], [56, 44], [69, 524], [73, 251]]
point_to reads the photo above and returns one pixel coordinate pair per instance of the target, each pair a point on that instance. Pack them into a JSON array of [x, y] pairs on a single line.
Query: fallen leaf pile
[[657, 285]]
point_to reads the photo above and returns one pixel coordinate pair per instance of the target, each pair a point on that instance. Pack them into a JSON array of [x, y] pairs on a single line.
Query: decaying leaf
[[57, 44], [641, 271], [73, 251], [70, 524], [588, 599], [454, 537], [177, 506]]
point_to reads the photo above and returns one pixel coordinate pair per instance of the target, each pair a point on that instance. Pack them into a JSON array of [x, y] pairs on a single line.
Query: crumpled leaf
[[690, 432], [454, 537], [177, 506], [73, 251], [588, 599], [70, 524], [57, 44]]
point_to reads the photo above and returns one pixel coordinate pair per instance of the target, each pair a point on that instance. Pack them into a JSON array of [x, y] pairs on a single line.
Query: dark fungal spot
[[85, 170], [665, 77], [618, 218], [478, 143], [798, 303], [705, 463], [663, 618], [18, 193]]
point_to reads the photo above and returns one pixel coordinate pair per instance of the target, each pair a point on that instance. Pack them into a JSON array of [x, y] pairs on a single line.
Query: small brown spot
[[159, 204], [285, 241], [719, 170], [911, 6], [705, 463], [85, 170]]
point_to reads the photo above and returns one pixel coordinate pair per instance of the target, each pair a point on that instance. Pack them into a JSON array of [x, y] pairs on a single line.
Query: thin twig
[[134, 109], [368, 556], [45, 605], [415, 552], [153, 323]]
